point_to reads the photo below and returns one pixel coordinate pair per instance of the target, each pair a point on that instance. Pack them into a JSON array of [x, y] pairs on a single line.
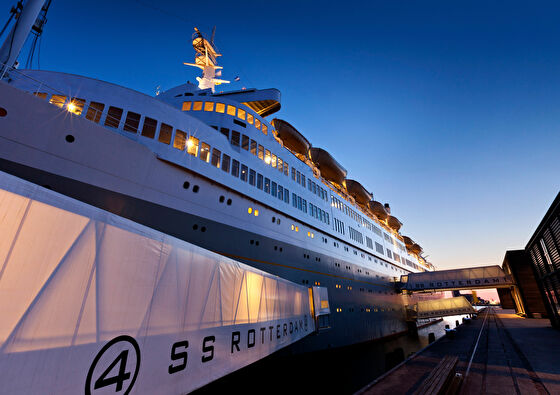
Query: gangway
[[455, 279], [439, 308], [91, 300]]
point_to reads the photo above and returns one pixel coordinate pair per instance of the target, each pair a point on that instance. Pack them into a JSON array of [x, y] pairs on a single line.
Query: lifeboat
[[408, 242], [330, 169], [358, 192], [378, 209], [415, 249], [291, 138], [394, 223]]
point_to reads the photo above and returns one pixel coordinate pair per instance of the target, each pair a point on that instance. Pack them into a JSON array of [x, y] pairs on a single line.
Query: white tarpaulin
[[92, 302]]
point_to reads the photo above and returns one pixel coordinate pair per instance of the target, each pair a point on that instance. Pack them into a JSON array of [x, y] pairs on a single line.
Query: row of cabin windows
[[240, 140], [321, 215], [335, 202], [317, 190], [355, 235], [225, 109], [338, 225]]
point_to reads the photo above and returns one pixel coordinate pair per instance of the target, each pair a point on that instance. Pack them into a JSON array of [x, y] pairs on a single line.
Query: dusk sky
[[448, 111]]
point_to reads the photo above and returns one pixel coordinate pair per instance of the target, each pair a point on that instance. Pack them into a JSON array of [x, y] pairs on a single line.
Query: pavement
[[513, 355]]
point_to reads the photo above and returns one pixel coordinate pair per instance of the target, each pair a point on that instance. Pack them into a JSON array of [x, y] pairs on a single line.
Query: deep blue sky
[[448, 111]]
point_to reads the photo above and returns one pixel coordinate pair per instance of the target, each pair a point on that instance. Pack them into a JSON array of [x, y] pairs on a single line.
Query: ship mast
[[206, 60]]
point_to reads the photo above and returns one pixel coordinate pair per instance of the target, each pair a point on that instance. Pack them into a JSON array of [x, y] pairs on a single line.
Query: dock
[[498, 352]]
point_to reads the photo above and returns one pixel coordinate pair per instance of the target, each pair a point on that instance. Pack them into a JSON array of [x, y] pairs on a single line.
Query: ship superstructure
[[211, 169]]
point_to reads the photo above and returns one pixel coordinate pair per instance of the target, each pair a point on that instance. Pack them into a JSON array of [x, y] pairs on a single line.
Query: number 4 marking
[[104, 381]]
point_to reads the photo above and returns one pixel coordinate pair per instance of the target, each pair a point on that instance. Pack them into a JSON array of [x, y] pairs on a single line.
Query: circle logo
[[115, 367]]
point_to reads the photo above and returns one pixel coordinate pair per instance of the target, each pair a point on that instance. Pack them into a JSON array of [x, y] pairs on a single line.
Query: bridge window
[[235, 136], [149, 128], [192, 146], [132, 122], [280, 165], [261, 152], [208, 106], [114, 117], [273, 160], [267, 185], [180, 140], [220, 107], [197, 106], [235, 168], [58, 100], [245, 142], [94, 111], [225, 132], [225, 163], [76, 106], [187, 105], [259, 180], [252, 176], [244, 173], [241, 114], [165, 132], [250, 118], [267, 158], [231, 110], [40, 95], [205, 152], [257, 124], [216, 156], [264, 129], [254, 147]]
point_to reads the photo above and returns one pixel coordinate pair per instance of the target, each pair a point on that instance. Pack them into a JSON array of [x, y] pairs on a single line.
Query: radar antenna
[[205, 59]]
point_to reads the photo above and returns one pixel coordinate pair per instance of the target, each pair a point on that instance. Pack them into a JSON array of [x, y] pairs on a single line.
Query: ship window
[[250, 118], [294, 200], [299, 203], [264, 129], [253, 147], [286, 168], [209, 106], [94, 111], [231, 110], [273, 161], [165, 132], [114, 117], [149, 128], [274, 189], [220, 107], [187, 105], [225, 132], [261, 152], [197, 106], [132, 122], [280, 165], [205, 152], [303, 180], [389, 253], [235, 168], [216, 156], [267, 157], [259, 181], [267, 185], [244, 172], [40, 95], [225, 163], [192, 146], [180, 140], [257, 124], [294, 173], [235, 138], [241, 114], [76, 106], [252, 177], [286, 195], [280, 192], [245, 142], [58, 100]]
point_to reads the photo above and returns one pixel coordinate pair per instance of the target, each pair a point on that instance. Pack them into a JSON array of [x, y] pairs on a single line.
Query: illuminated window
[[261, 152], [324, 303], [308, 234], [76, 106], [180, 140], [253, 147], [205, 152], [197, 106], [297, 229], [216, 156], [257, 124], [192, 146], [40, 95], [267, 185], [165, 132], [264, 129], [58, 100], [256, 213], [220, 107], [231, 110], [250, 210], [241, 114], [187, 105], [94, 111], [280, 165], [273, 162], [149, 128], [114, 117], [293, 227], [267, 157], [244, 173], [131, 122], [208, 106], [286, 167], [250, 118]]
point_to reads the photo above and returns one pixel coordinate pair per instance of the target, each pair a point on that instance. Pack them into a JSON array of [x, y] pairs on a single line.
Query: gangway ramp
[[440, 308], [456, 279], [92, 301]]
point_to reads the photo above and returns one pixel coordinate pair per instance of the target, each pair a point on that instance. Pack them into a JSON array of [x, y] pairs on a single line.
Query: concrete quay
[[499, 353]]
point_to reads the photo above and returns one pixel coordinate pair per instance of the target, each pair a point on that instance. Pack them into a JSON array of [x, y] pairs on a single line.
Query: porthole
[[69, 138], [195, 227], [3, 112], [195, 189], [275, 248], [273, 219], [222, 198], [251, 242], [203, 229], [280, 249], [256, 243], [228, 202], [278, 221], [186, 185]]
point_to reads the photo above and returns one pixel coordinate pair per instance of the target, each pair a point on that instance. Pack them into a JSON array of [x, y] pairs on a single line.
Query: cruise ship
[[217, 169]]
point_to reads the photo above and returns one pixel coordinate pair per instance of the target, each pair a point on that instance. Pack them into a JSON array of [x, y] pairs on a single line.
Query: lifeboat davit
[[415, 248], [358, 192], [394, 223], [408, 242], [291, 138], [330, 169], [378, 209]]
